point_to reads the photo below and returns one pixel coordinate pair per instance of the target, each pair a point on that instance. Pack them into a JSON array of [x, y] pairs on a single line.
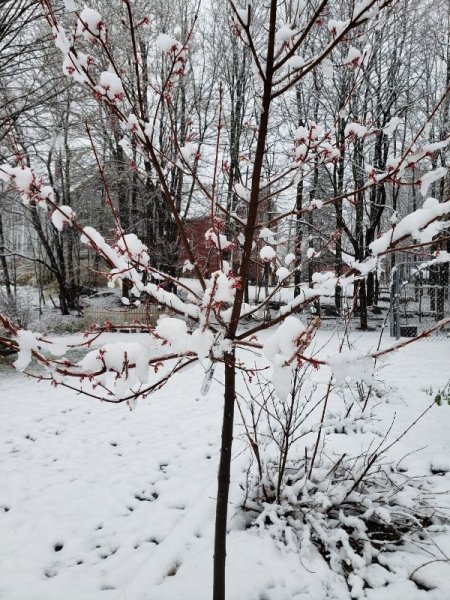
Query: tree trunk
[[4, 263], [298, 208], [363, 305], [56, 261], [298, 240], [338, 190], [359, 177], [223, 479]]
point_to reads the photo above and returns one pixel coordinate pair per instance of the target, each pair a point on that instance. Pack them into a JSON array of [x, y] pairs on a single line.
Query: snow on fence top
[[122, 317]]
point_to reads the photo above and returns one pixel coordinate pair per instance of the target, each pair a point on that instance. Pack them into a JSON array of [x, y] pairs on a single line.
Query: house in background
[[207, 254]]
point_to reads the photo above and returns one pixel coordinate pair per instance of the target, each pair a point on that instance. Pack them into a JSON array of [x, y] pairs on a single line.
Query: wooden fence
[[122, 318]]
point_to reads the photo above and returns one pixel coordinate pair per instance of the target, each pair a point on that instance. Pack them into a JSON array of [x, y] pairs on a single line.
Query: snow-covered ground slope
[[97, 502]]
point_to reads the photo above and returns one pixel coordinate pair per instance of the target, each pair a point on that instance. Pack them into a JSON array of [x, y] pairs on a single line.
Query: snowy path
[[97, 502]]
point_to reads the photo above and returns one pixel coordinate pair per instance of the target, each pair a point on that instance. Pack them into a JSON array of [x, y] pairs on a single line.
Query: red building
[[206, 254]]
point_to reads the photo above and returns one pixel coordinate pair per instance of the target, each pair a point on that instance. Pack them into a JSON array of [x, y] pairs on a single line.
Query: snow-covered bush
[[355, 513], [310, 486]]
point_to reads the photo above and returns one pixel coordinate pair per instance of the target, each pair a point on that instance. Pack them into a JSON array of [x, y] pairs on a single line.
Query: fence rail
[[123, 318]]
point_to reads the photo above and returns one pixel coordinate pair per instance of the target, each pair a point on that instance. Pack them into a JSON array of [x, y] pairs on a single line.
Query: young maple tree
[[210, 318]]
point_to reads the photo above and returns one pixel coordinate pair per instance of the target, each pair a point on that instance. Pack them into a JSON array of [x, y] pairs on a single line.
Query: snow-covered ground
[[97, 502]]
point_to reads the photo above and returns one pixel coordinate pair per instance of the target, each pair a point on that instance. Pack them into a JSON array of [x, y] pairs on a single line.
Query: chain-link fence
[[418, 297]]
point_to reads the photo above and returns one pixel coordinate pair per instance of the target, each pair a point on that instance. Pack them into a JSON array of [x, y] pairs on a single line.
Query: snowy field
[[97, 502]]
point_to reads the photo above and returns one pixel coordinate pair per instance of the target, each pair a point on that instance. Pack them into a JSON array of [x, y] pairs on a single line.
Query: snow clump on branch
[[353, 58], [91, 26], [282, 274], [62, 215], [285, 34], [411, 225], [336, 28], [131, 246], [289, 259], [220, 241], [174, 332], [280, 349], [221, 290], [175, 50], [111, 86], [267, 254], [30, 187], [27, 343], [168, 44]]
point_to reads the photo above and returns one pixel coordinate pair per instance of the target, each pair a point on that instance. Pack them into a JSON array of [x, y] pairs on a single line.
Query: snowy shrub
[[355, 511], [307, 485]]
